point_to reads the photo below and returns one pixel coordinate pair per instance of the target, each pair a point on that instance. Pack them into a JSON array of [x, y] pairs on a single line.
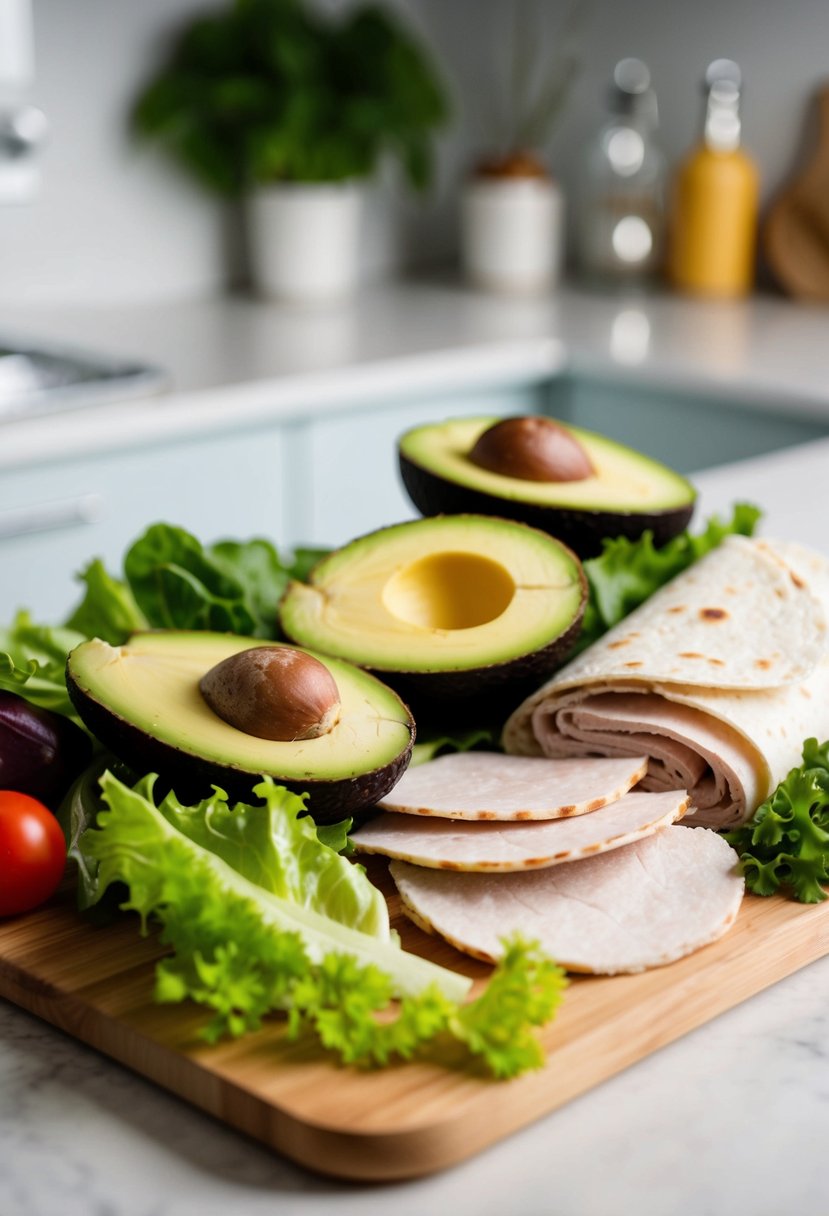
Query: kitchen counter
[[731, 1118], [238, 362]]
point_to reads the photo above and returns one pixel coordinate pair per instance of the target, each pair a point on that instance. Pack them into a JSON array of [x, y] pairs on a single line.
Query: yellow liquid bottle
[[713, 223]]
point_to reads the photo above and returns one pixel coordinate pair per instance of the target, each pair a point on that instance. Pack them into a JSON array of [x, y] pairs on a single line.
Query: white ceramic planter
[[304, 240], [512, 233]]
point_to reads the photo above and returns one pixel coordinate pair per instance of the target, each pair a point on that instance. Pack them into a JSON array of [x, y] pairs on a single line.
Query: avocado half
[[453, 609], [142, 700], [627, 494]]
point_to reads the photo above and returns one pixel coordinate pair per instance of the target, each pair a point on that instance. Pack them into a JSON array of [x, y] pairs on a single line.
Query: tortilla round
[[641, 906]]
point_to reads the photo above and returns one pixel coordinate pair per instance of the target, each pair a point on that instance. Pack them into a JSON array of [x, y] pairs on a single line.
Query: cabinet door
[[348, 465], [56, 517], [686, 430]]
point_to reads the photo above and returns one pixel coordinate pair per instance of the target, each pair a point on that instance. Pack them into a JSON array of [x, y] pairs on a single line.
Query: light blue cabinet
[[55, 517], [687, 430], [349, 472]]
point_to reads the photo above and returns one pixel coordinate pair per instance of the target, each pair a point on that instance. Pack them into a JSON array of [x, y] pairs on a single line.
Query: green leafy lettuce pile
[[170, 581], [786, 843], [33, 662], [262, 915]]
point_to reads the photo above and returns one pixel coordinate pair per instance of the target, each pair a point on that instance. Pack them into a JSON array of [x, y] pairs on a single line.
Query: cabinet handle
[[51, 516]]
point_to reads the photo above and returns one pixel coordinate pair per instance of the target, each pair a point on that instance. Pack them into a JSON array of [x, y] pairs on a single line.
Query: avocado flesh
[[438, 595], [143, 701], [462, 615], [628, 493]]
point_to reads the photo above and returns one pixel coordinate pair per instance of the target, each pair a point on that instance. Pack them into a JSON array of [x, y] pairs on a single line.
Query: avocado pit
[[531, 449], [273, 692]]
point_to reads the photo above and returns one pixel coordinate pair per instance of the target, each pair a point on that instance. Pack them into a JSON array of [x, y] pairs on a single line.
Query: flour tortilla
[[490, 785], [719, 678], [641, 906], [507, 847]]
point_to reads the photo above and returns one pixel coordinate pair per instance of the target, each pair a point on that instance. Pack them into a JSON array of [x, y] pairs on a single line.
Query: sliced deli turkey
[[717, 678]]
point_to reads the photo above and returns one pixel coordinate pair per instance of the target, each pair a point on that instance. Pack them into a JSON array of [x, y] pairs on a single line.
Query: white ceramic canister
[[304, 240], [512, 233]]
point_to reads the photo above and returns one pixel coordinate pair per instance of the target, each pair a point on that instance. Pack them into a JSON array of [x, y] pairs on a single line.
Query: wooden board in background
[[397, 1122]]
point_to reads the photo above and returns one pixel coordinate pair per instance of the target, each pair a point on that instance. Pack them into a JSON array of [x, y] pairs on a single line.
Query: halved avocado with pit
[[142, 700], [449, 610], [625, 493]]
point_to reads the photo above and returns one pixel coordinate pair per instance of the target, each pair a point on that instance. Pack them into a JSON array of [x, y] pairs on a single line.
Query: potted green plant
[[292, 109], [512, 208]]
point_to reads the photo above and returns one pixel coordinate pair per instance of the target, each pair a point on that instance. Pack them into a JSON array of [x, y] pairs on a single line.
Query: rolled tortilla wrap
[[718, 678]]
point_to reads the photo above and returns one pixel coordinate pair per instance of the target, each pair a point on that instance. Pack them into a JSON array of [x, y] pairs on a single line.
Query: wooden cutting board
[[96, 984]]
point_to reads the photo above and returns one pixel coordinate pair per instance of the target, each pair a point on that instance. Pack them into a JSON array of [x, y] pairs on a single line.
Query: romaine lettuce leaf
[[242, 951], [277, 846]]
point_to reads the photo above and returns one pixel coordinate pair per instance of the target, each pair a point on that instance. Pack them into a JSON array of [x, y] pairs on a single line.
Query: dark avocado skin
[[582, 531], [191, 776]]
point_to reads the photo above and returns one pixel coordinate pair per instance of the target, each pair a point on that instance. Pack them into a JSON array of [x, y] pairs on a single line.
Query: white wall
[[781, 45], [115, 221]]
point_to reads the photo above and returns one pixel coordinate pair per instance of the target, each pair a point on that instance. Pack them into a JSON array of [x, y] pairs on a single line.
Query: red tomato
[[32, 853]]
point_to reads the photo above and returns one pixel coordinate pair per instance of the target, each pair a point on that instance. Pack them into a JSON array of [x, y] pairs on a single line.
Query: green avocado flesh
[[448, 594], [625, 480], [142, 700]]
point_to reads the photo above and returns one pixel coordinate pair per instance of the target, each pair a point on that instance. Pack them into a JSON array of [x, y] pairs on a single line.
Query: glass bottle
[[714, 203], [621, 211]]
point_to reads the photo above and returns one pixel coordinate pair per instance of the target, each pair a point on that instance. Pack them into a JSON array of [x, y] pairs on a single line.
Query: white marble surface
[[249, 362], [733, 1118]]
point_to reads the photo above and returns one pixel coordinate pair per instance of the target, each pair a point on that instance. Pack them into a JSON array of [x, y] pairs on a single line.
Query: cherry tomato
[[32, 853]]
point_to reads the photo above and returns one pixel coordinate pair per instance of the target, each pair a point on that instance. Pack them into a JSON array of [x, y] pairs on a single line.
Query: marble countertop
[[731, 1118], [241, 362]]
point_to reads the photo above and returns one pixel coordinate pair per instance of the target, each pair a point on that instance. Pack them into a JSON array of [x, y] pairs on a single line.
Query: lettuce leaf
[[173, 581], [108, 609], [627, 572], [178, 584], [33, 662], [243, 951], [427, 749], [277, 846], [786, 843]]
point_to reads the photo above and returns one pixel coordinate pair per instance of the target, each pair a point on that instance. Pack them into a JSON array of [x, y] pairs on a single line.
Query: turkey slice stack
[[505, 847], [718, 678], [640, 906]]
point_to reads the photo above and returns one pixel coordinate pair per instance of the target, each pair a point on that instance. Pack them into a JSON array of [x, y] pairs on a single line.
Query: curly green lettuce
[[786, 843], [33, 663], [243, 950]]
